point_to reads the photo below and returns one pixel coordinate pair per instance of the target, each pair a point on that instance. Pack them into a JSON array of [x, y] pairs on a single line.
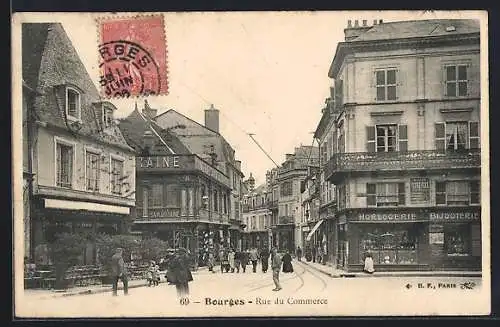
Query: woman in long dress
[[230, 258], [287, 263]]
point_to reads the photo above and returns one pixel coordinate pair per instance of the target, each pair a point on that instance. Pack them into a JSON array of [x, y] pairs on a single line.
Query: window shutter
[[370, 138], [401, 194], [474, 135], [398, 84], [439, 136], [371, 194], [443, 80], [403, 138]]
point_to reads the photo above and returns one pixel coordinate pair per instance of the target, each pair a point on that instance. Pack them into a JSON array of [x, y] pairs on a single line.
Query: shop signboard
[[387, 217], [455, 216], [419, 190]]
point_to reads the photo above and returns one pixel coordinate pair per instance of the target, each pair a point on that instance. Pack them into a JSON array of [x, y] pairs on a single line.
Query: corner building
[[406, 165]]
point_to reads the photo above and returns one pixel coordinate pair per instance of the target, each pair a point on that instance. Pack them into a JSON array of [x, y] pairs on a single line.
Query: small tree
[[107, 245], [66, 251], [153, 249]]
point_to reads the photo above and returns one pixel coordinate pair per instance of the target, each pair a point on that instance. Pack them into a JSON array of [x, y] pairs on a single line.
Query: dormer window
[[107, 116], [73, 104]]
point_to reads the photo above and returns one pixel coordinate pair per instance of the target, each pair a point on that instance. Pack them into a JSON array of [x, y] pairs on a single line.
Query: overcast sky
[[265, 72]]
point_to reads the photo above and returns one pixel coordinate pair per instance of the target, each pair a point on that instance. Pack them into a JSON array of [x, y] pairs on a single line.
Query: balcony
[[395, 161], [171, 215], [272, 205]]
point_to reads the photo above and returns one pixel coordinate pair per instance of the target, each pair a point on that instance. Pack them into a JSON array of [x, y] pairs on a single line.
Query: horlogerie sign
[[387, 217]]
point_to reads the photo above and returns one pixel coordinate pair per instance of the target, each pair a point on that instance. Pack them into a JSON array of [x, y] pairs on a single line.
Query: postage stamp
[[133, 56], [299, 164]]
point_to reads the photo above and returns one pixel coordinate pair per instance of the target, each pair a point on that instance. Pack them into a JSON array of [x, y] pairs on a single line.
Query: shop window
[[457, 193], [92, 171], [64, 164], [390, 245], [456, 136], [457, 240], [385, 194]]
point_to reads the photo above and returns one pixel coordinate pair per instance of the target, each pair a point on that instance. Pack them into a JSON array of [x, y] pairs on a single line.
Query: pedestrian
[[254, 257], [264, 259], [299, 253], [150, 273], [287, 263], [244, 260], [119, 272], [276, 267], [313, 253], [156, 275], [237, 260], [211, 262], [368, 268], [320, 254], [181, 274], [230, 259]]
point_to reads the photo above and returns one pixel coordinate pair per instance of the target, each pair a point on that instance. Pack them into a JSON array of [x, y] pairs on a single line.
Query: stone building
[[404, 155], [256, 216]]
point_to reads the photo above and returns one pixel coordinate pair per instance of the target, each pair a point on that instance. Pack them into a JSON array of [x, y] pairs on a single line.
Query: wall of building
[[46, 162]]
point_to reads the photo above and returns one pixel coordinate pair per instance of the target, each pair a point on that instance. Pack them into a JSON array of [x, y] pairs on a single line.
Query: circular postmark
[[127, 69]]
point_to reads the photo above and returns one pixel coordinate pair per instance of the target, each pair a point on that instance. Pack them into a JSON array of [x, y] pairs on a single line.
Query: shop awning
[[315, 228], [89, 206]]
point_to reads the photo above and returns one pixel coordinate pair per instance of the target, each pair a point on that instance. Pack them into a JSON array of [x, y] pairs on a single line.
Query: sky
[[267, 72]]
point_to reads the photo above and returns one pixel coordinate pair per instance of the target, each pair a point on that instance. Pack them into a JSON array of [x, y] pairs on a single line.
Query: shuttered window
[[387, 138], [457, 135], [385, 194]]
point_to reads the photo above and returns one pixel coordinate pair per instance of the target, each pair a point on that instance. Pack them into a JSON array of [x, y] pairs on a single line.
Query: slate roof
[[49, 63], [133, 128], [418, 28], [197, 138]]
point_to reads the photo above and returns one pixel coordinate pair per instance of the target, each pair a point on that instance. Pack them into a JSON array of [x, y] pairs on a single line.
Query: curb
[[384, 274]]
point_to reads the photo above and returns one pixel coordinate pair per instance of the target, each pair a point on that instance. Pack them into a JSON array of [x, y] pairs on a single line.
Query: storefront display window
[[457, 240], [389, 245]]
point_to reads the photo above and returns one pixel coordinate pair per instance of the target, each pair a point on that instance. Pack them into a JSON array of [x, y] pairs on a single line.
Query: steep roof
[[50, 62], [197, 138], [136, 124], [418, 28]]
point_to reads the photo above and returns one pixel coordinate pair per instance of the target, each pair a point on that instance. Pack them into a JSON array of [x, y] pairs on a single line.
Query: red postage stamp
[[133, 56]]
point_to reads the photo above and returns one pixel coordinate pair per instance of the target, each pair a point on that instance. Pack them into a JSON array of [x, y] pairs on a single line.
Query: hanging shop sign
[[454, 216], [419, 190]]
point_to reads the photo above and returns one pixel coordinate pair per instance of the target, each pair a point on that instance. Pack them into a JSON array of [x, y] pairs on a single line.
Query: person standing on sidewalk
[[254, 257], [181, 274], [237, 260], [313, 250], [119, 272], [244, 260], [264, 259], [276, 266], [230, 258], [299, 253]]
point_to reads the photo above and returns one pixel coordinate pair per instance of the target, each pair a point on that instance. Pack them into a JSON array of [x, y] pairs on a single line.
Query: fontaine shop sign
[[159, 162]]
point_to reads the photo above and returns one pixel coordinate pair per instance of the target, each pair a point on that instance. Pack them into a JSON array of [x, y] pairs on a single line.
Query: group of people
[[232, 261]]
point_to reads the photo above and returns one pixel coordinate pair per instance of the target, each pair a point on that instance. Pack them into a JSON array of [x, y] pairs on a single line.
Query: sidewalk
[[95, 289], [333, 272]]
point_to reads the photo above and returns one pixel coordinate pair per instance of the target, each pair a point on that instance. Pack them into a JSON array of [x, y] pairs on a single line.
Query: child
[[368, 264], [156, 275]]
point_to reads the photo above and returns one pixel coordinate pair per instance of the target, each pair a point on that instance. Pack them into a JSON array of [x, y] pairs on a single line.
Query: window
[[458, 193], [216, 201], [386, 84], [387, 138], [116, 176], [72, 103], [107, 116], [92, 171], [155, 197], [457, 240], [456, 80], [457, 135], [385, 194], [64, 161], [286, 188]]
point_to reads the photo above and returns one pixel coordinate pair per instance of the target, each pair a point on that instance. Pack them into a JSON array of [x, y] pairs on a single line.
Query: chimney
[[238, 164], [148, 111], [288, 156], [380, 21], [148, 142], [352, 32], [374, 22], [212, 119]]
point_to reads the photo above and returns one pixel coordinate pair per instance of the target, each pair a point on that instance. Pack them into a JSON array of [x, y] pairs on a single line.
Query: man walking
[[254, 257], [119, 271], [276, 266], [264, 259], [237, 260], [299, 253]]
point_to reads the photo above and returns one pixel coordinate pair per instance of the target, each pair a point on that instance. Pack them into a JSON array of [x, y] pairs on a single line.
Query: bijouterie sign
[[454, 216]]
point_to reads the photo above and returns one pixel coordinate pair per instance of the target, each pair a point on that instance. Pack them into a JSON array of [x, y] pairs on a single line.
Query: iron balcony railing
[[410, 160], [176, 214]]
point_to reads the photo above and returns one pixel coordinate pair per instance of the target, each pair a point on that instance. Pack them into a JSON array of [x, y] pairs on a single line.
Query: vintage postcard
[[251, 164]]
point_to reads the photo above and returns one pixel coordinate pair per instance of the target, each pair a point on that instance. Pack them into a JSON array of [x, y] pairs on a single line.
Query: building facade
[[406, 163], [81, 170], [181, 198], [256, 216], [206, 142]]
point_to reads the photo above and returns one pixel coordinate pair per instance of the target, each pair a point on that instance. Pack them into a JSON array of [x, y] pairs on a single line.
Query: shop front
[[410, 239]]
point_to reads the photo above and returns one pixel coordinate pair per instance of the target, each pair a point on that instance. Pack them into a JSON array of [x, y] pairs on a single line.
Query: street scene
[[338, 171]]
